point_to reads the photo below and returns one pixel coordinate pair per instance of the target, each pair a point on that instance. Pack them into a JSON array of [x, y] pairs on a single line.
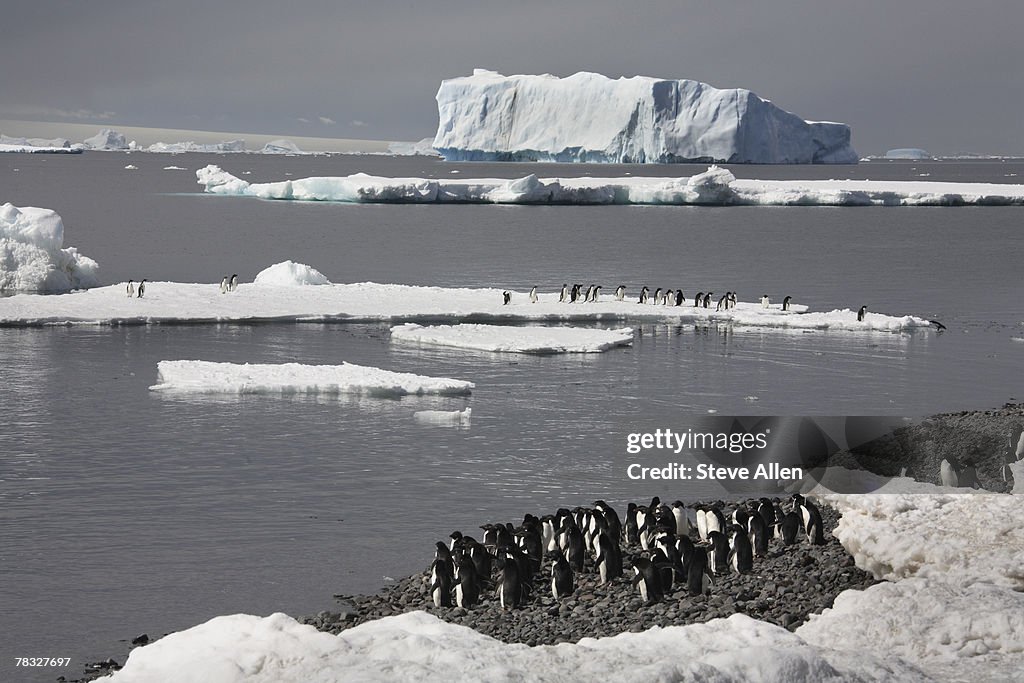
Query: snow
[[515, 339], [907, 153], [716, 186], [203, 377], [290, 274], [372, 302], [448, 418], [32, 253], [588, 117], [418, 646], [107, 140]]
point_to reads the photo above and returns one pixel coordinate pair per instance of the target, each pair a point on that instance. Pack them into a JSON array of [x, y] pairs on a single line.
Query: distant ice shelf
[[529, 339], [203, 377], [714, 187]]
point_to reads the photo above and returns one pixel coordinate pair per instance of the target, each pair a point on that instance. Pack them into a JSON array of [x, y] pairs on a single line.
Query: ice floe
[[449, 418], [32, 253], [716, 186], [204, 377], [530, 339]]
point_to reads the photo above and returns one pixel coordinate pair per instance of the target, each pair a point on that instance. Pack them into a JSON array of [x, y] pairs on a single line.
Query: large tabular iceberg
[[32, 257], [591, 118]]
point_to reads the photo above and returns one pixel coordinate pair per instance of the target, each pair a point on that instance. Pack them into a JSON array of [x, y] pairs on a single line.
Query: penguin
[[741, 552], [456, 537], [224, 285], [682, 521], [665, 569], [441, 577], [574, 293], [597, 290], [561, 297], [142, 287], [1015, 442], [765, 301], [604, 559], [643, 295], [785, 303], [590, 290], [506, 297], [740, 516], [715, 520], [698, 580], [130, 289], [699, 299], [732, 300], [632, 527], [949, 472], [789, 527], [685, 549], [758, 534], [657, 296], [666, 297], [533, 295], [1005, 472], [481, 559], [723, 302], [707, 299], [562, 584], [574, 546], [510, 587], [680, 299], [861, 313], [620, 292], [233, 284], [612, 518], [702, 524], [647, 579], [467, 584], [719, 557], [811, 518], [968, 477]]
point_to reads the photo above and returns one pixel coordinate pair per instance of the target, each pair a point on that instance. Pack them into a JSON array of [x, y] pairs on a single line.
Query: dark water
[[123, 511]]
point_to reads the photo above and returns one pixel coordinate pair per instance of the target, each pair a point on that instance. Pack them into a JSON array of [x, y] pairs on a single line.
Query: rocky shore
[[785, 587]]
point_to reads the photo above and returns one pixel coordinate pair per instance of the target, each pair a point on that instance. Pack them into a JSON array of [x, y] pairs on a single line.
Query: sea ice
[[32, 253], [204, 377], [449, 418], [531, 339], [591, 118], [290, 274]]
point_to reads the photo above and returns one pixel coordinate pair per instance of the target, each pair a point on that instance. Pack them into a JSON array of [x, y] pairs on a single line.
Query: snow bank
[[418, 647], [107, 140], [290, 274], [716, 186], [591, 118], [202, 377], [372, 302], [515, 339], [32, 257], [449, 418]]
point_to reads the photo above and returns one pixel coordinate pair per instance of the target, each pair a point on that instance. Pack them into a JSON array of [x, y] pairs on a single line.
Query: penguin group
[[669, 296], [229, 284], [667, 554], [134, 292]]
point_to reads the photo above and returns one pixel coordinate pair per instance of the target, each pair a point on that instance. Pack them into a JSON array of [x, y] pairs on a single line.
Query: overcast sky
[[942, 75]]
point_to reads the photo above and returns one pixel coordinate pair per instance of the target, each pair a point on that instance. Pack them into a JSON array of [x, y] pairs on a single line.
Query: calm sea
[[124, 511]]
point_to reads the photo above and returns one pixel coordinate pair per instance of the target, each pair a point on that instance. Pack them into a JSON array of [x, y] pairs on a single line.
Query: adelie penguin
[[467, 583], [862, 313], [741, 552], [507, 297], [785, 303], [657, 296], [442, 577], [707, 299], [620, 292], [130, 289], [562, 584], [699, 299], [593, 295], [698, 580], [224, 285], [949, 472], [680, 299], [643, 296], [647, 579], [233, 283], [142, 287], [510, 585], [533, 295], [765, 301], [564, 293]]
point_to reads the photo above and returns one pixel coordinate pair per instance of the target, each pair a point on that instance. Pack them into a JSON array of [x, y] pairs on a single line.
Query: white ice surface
[[448, 418], [32, 253], [290, 274], [589, 117], [716, 186], [530, 339], [203, 377], [367, 301], [190, 146], [107, 140], [36, 149]]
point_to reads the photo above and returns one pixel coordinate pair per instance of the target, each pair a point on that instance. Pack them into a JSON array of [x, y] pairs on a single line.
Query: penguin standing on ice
[[574, 293], [565, 291], [130, 289], [680, 299], [732, 300], [142, 287], [643, 295], [224, 285], [233, 284], [862, 313], [620, 292], [657, 296], [561, 577], [723, 302], [506, 297], [699, 299], [707, 299], [593, 296], [586, 296], [765, 301], [533, 295], [785, 303], [666, 297]]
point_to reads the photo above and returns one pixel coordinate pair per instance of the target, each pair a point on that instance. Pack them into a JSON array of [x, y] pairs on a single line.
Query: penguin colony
[[670, 557]]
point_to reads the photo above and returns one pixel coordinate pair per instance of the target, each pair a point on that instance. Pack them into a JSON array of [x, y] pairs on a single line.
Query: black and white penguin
[[612, 518], [699, 299], [533, 295], [758, 534], [632, 529], [480, 557], [719, 557], [562, 584], [682, 520], [233, 283], [765, 301], [657, 296], [574, 545], [666, 297], [565, 292], [684, 549], [574, 293], [680, 299], [698, 580], [1015, 442], [707, 299], [603, 558], [506, 297], [593, 296], [442, 577], [467, 584], [723, 302], [456, 537], [647, 579], [949, 471], [590, 290], [785, 303], [732, 300], [643, 295], [702, 524], [224, 285], [811, 518], [861, 313], [130, 289], [740, 516], [620, 292], [715, 520], [510, 584], [767, 512], [142, 287], [665, 568], [741, 552], [789, 528]]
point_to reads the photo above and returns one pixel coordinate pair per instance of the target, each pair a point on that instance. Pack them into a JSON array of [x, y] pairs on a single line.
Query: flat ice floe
[[445, 418], [541, 340], [203, 377], [716, 186], [170, 302]]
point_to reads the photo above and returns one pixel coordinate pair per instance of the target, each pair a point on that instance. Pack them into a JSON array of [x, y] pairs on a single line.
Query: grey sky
[[941, 75]]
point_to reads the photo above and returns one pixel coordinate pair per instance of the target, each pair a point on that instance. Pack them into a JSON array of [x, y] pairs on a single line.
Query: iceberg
[[907, 153], [588, 117], [33, 257], [189, 146], [204, 377], [539, 340], [290, 274], [281, 146], [424, 147], [107, 140], [715, 187]]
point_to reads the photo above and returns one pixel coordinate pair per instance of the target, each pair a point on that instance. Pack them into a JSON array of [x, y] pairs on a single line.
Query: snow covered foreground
[[32, 253], [515, 339], [942, 617], [716, 186], [592, 118], [203, 377], [168, 302]]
